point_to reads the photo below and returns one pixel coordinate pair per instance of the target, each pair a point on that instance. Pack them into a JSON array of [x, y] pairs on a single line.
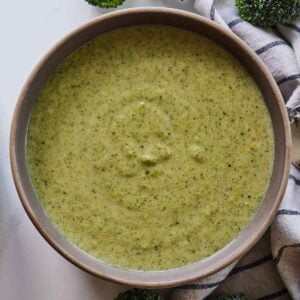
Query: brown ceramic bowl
[[245, 240]]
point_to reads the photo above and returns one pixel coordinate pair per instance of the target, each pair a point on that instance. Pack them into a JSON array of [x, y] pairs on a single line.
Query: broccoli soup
[[150, 147]]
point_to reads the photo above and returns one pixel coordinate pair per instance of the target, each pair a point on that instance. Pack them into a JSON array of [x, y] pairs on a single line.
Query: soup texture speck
[[150, 147]]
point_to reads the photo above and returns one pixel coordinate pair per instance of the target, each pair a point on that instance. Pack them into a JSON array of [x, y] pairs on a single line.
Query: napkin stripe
[[213, 10], [288, 212], [297, 181], [280, 252], [296, 166], [251, 265], [235, 22], [274, 295], [289, 78], [270, 46], [293, 26], [200, 286]]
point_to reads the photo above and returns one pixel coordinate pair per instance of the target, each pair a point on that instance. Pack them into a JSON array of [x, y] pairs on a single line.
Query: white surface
[[29, 268]]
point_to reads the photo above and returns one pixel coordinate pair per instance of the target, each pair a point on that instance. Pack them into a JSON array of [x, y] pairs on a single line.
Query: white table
[[29, 268]]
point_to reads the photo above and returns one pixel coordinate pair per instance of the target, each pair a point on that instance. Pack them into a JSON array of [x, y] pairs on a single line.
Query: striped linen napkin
[[271, 270]]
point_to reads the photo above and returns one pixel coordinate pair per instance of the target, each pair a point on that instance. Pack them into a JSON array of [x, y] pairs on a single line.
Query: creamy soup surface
[[150, 147]]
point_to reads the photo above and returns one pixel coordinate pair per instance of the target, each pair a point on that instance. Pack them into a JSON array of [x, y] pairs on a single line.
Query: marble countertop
[[29, 268]]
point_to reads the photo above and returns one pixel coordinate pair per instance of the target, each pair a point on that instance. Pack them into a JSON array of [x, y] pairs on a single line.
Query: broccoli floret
[[230, 297], [105, 3], [139, 294], [268, 12]]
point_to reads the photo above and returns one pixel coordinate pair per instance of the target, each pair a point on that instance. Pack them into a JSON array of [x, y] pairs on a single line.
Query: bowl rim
[[166, 282]]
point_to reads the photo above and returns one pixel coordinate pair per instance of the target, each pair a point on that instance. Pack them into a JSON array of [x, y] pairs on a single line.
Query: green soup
[[150, 147]]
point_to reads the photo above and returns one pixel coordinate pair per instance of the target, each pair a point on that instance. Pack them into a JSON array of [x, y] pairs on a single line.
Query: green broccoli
[[230, 297], [268, 12], [105, 3], [139, 294]]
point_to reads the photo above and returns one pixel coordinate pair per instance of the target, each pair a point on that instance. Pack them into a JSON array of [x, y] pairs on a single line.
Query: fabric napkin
[[271, 270]]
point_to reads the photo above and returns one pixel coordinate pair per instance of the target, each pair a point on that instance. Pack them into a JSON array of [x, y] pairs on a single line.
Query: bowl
[[273, 99]]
